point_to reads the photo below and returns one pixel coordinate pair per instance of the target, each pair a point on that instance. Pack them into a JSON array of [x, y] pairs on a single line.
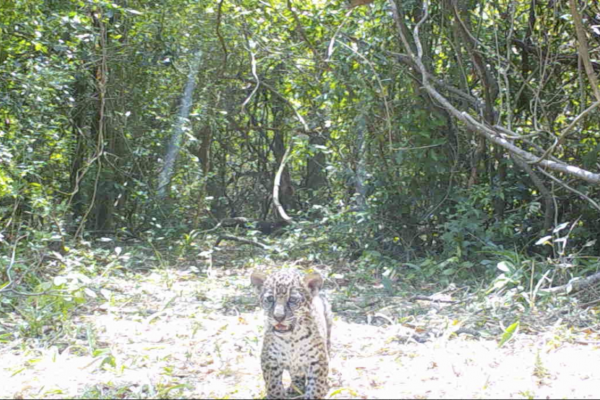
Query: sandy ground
[[174, 334]]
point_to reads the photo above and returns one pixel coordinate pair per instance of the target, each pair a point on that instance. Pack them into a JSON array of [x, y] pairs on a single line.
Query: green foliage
[[379, 172], [520, 278]]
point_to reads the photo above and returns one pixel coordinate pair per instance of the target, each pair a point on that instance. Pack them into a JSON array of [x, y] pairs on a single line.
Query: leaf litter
[[176, 333]]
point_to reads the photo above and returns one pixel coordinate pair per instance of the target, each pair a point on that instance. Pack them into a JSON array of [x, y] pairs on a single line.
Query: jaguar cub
[[297, 336]]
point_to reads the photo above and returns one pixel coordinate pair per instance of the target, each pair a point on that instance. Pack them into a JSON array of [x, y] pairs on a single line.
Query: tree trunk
[[78, 161], [316, 175], [361, 170], [203, 154], [499, 178], [164, 178], [544, 192]]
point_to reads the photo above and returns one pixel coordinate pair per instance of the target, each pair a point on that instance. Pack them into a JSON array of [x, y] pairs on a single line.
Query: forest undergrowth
[[193, 330]]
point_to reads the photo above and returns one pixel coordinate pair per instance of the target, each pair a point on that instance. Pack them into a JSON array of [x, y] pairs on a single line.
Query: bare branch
[[566, 186], [221, 40], [255, 74], [480, 127], [290, 105], [560, 139], [565, 59], [584, 51]]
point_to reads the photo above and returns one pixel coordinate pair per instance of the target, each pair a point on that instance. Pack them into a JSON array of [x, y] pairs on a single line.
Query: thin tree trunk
[[544, 191], [98, 127], [316, 175], [78, 167], [203, 154], [361, 170], [497, 181], [164, 178]]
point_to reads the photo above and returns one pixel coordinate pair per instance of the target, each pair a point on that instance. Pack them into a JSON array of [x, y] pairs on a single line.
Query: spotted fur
[[297, 333]]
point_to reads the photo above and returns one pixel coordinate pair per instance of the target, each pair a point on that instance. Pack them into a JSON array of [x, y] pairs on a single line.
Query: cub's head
[[286, 296]]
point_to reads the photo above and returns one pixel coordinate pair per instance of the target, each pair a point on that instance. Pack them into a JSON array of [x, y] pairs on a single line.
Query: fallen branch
[[587, 342], [589, 303], [244, 241], [432, 299], [575, 285]]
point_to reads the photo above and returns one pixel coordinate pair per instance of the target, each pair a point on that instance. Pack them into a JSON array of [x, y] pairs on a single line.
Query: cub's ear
[[258, 279], [313, 282]]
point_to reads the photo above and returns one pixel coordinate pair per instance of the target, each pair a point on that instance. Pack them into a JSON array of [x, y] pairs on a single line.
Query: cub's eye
[[270, 299], [294, 300]]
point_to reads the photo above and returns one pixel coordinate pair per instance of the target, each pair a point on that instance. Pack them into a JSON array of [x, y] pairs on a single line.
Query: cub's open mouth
[[282, 328]]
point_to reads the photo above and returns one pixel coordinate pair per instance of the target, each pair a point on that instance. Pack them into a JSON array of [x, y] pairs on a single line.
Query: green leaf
[[341, 390], [5, 337], [508, 333]]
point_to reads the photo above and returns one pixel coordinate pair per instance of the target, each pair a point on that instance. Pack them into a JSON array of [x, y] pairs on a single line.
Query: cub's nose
[[279, 318], [279, 313]]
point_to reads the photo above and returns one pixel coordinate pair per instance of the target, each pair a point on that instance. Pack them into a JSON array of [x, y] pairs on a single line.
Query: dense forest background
[[437, 161], [416, 139]]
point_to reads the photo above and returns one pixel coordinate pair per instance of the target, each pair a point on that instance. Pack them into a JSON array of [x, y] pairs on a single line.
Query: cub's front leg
[[272, 374], [316, 380], [298, 386]]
